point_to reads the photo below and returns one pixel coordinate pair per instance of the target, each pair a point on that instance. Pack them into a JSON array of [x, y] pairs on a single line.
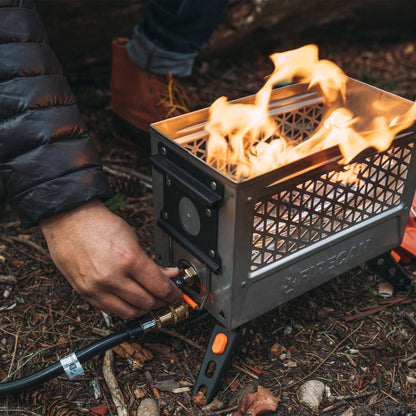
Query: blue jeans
[[172, 32]]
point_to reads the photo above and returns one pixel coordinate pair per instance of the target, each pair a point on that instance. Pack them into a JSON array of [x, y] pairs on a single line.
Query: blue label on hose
[[72, 366]]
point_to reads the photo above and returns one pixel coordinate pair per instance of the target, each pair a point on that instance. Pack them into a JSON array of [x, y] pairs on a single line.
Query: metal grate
[[321, 207], [300, 124], [296, 125]]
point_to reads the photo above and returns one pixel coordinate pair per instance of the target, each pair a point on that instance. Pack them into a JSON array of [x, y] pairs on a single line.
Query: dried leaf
[[253, 404], [162, 349], [292, 349], [277, 350], [199, 399], [101, 410], [138, 393], [156, 393], [134, 353]]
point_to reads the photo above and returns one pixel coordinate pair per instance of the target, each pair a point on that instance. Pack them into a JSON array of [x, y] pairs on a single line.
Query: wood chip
[[8, 279]]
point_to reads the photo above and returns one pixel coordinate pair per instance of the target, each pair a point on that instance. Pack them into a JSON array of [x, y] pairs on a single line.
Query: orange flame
[[245, 137]]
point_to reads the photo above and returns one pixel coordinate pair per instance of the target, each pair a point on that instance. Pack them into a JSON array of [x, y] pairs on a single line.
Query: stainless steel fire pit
[[260, 242]]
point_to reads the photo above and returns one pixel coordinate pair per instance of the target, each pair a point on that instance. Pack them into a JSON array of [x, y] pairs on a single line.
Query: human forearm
[[47, 160]]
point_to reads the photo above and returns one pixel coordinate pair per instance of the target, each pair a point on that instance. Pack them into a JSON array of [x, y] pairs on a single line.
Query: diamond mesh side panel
[[296, 125], [321, 207], [197, 147], [299, 125]]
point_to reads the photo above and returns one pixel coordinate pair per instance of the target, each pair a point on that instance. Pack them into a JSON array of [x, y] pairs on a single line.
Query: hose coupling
[[172, 314]]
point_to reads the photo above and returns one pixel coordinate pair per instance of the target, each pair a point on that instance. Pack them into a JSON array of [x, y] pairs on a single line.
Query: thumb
[[170, 271]]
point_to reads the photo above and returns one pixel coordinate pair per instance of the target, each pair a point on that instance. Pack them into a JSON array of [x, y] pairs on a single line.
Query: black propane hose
[[55, 370], [130, 331]]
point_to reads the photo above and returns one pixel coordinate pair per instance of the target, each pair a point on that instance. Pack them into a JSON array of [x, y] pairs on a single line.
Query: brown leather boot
[[139, 98]]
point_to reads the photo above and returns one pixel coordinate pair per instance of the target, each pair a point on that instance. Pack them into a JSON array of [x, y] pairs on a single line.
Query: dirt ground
[[364, 362]]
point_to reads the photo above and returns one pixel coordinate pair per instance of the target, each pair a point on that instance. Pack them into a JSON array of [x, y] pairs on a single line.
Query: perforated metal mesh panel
[[313, 210], [296, 125]]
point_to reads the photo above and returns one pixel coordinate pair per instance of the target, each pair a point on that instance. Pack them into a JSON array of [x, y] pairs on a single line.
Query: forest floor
[[42, 319]]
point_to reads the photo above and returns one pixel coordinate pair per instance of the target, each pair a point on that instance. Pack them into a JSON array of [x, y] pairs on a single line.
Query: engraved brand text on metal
[[294, 280]]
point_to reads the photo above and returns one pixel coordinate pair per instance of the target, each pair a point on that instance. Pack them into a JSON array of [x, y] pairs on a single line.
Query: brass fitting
[[189, 274], [172, 315]]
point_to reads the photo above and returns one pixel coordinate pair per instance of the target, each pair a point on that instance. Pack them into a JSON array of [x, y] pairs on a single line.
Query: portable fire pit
[[260, 242], [257, 243]]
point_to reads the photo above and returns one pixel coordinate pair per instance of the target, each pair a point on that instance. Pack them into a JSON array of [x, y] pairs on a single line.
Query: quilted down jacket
[[48, 163]]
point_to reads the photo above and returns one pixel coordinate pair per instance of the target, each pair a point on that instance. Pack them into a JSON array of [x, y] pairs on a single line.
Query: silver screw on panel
[[165, 215], [213, 185], [211, 253], [208, 213], [163, 150]]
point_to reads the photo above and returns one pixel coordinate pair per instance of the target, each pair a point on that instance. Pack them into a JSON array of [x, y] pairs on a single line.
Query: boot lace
[[173, 96]]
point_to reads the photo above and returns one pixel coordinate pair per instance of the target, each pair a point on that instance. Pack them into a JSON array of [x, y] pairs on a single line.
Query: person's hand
[[100, 256]]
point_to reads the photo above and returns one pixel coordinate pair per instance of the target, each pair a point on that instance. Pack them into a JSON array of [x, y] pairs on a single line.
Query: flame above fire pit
[[246, 138]]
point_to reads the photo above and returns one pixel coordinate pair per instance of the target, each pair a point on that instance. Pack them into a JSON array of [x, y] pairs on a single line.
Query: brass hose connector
[[172, 314], [189, 274]]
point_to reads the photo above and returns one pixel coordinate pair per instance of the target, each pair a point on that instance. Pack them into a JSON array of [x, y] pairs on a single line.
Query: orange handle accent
[[219, 344], [189, 301]]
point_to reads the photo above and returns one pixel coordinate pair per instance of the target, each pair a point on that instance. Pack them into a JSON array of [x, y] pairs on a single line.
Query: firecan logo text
[[294, 279]]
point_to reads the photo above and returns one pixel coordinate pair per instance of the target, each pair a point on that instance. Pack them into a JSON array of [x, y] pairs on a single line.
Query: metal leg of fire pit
[[218, 358], [390, 270]]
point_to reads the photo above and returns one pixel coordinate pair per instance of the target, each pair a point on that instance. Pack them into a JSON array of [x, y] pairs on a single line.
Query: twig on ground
[[372, 310], [8, 279], [246, 371], [389, 396], [29, 243], [334, 406], [352, 396], [112, 384], [15, 348], [12, 409], [410, 318], [410, 357], [110, 379], [327, 357], [183, 338], [224, 411], [343, 400]]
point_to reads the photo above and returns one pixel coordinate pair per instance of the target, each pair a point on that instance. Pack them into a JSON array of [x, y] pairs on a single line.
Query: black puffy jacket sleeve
[[48, 164]]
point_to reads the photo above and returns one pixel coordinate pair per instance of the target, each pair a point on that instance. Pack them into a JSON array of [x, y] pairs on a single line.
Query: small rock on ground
[[148, 407]]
